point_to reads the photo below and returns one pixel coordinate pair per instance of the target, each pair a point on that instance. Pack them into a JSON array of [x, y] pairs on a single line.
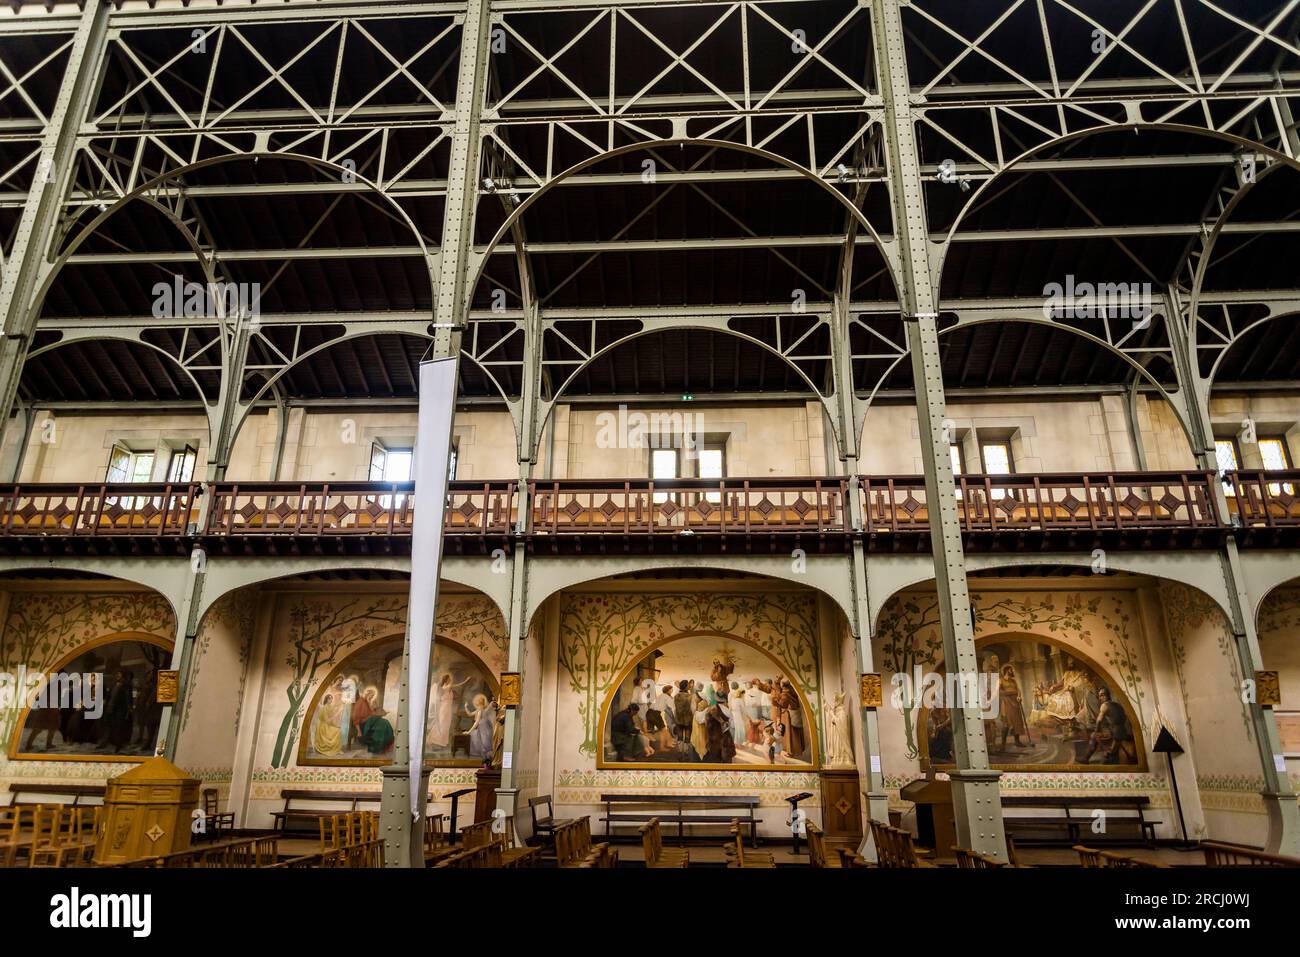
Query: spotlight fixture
[[844, 172], [489, 186]]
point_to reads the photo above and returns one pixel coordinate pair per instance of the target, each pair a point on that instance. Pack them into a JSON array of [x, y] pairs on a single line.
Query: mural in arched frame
[[1057, 710], [351, 719], [732, 706], [99, 703]]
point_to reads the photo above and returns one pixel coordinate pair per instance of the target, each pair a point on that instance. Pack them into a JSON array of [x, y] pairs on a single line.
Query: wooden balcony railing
[[688, 506], [137, 509], [353, 508], [1265, 499], [1047, 506], [1103, 501]]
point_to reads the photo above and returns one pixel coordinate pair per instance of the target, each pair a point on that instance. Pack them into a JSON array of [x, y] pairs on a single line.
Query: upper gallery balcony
[[1003, 512]]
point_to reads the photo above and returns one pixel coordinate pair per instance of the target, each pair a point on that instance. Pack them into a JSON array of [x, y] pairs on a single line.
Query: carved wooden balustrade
[[683, 508], [45, 510], [1266, 504], [1137, 509], [1067, 507], [352, 510]]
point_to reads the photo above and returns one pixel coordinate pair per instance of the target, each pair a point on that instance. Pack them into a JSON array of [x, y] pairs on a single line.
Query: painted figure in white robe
[[839, 745], [442, 710]]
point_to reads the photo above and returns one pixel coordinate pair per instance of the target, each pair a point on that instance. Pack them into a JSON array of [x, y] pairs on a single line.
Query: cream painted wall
[[75, 448], [760, 440]]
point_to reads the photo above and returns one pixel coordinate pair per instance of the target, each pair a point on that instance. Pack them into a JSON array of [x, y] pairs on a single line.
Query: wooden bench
[[306, 820], [1067, 826], [638, 809], [83, 795]]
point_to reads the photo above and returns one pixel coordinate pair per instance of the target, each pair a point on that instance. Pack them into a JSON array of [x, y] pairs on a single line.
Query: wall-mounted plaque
[[169, 683], [510, 690], [871, 691]]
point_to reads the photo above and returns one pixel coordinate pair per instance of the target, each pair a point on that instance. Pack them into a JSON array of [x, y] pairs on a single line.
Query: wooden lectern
[[936, 826]]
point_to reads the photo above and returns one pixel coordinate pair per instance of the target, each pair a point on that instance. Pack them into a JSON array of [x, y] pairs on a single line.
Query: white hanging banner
[[432, 451]]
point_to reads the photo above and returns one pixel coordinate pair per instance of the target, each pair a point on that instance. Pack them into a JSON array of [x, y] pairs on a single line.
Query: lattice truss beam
[[204, 110]]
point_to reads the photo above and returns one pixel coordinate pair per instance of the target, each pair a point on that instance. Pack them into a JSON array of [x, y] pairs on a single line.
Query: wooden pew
[[1065, 825], [294, 818]]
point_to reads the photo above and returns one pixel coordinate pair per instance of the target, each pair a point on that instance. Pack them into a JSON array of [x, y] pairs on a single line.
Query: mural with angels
[[352, 719]]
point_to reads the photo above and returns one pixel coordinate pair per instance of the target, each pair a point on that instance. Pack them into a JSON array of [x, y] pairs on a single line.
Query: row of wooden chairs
[[737, 856], [966, 858], [573, 847], [244, 853], [369, 854], [894, 847], [345, 830], [819, 855], [49, 835], [1091, 857], [656, 855]]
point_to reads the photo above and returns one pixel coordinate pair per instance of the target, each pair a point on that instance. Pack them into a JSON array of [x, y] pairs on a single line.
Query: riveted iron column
[[976, 802]]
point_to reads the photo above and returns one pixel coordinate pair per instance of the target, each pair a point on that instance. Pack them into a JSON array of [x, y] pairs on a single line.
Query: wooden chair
[[48, 835], [573, 847], [331, 832], [652, 844], [20, 818], [1123, 860], [894, 847], [215, 821], [476, 835], [435, 839], [1088, 857], [969, 859], [739, 857], [512, 854], [817, 848], [544, 826]]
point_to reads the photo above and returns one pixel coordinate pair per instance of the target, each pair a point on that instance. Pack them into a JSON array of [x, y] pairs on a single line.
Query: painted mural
[[352, 719], [99, 705], [318, 632], [605, 636], [707, 701], [47, 632], [1047, 707]]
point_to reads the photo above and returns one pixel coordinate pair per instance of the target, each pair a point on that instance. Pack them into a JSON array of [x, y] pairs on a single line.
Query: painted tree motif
[[598, 635], [1188, 610], [318, 632], [1122, 656]]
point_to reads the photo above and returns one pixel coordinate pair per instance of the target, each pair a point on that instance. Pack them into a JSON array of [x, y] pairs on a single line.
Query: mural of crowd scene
[[352, 719], [1053, 710], [100, 705], [710, 702]]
